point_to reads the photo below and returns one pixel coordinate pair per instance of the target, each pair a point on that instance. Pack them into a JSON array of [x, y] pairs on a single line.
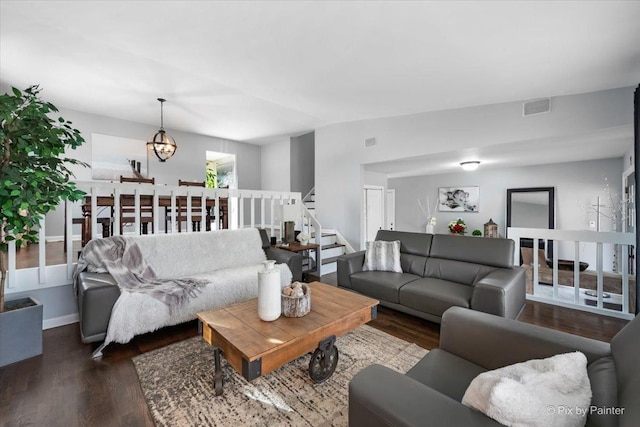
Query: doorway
[[221, 173], [390, 218], [373, 211]]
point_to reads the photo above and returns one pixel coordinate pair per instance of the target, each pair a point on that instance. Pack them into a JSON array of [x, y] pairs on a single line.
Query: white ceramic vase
[[430, 229], [269, 301]]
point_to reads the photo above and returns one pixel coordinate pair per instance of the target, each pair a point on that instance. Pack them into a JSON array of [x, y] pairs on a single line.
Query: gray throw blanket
[[121, 257]]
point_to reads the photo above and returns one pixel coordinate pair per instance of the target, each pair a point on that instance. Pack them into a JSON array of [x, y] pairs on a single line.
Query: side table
[[312, 266]]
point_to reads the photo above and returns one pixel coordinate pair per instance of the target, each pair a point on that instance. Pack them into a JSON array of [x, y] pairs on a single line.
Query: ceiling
[[607, 143], [259, 71]]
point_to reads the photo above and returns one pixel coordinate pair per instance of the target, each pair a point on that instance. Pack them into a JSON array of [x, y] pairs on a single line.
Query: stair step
[[329, 260], [328, 268], [323, 234], [333, 245], [333, 250]]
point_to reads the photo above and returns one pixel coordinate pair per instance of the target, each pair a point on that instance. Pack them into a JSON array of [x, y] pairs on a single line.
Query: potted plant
[[457, 226], [34, 179]]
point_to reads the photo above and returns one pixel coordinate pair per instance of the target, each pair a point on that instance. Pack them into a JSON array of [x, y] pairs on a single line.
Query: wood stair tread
[[329, 260], [323, 234], [333, 245]]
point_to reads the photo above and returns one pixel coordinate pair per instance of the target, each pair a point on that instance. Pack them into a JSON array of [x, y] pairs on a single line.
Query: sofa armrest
[[347, 265], [97, 293], [493, 342], [379, 396], [292, 259], [501, 292]]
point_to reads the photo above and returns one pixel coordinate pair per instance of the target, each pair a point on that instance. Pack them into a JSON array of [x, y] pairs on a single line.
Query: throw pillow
[[542, 392], [382, 256]]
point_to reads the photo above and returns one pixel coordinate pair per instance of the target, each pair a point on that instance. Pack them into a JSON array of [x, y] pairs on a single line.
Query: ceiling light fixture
[[162, 144], [470, 166]]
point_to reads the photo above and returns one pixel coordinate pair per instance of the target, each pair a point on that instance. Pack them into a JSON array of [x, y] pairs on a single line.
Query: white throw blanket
[[228, 259], [545, 392]]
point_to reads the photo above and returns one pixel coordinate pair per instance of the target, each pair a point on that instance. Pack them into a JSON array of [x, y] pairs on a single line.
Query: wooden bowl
[[297, 306]]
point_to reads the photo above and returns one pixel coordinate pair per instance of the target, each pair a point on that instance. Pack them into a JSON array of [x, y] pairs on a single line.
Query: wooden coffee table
[[254, 347]]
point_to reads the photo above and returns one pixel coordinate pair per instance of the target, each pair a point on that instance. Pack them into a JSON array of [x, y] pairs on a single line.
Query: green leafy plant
[[34, 177], [211, 177], [476, 233]]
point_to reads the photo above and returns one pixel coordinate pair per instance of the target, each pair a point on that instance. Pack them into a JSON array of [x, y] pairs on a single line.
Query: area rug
[[178, 387]]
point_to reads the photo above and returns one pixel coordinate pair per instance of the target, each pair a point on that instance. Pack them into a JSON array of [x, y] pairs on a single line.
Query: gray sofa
[[97, 293], [441, 271], [471, 343]]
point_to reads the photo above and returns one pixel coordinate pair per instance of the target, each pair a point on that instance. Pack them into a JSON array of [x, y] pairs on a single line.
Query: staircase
[[331, 249]]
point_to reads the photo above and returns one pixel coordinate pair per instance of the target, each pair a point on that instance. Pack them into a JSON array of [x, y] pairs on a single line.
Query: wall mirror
[[532, 208]]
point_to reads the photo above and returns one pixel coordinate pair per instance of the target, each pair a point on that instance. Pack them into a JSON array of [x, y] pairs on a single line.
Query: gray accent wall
[[577, 185], [303, 163]]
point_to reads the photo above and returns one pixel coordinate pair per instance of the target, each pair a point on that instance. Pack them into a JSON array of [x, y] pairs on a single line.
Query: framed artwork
[[458, 199], [112, 156]]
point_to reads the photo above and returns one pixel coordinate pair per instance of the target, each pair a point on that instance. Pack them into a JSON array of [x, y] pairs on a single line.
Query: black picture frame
[[528, 243]]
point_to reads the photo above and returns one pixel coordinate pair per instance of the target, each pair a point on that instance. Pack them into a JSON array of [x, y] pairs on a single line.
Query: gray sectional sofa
[[431, 392], [441, 271]]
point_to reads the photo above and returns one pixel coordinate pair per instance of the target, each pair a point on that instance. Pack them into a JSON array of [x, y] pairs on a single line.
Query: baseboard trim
[[60, 321]]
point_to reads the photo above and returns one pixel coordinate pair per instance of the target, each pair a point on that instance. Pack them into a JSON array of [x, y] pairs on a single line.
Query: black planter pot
[[20, 330]]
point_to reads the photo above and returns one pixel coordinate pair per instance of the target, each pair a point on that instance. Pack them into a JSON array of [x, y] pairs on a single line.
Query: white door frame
[[390, 220], [364, 210]]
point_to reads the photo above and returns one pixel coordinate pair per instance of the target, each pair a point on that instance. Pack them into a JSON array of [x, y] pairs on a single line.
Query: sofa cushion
[[382, 285], [493, 252], [456, 271], [200, 252], [435, 296], [604, 386], [382, 256], [414, 249], [410, 243], [446, 373], [533, 393], [414, 264]]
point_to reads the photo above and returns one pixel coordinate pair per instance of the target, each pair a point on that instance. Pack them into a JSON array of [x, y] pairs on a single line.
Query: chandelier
[[160, 143]]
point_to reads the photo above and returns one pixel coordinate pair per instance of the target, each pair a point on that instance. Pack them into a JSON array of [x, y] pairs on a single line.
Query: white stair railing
[[161, 197], [577, 237], [312, 226]]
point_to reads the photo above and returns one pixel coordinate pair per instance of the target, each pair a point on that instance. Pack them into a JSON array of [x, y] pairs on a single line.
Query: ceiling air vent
[[369, 142], [537, 106]]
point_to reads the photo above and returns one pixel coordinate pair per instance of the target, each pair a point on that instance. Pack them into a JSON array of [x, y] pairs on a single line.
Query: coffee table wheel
[[323, 360]]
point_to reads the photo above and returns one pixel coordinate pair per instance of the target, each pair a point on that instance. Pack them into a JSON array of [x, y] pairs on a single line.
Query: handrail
[[317, 229], [308, 195]]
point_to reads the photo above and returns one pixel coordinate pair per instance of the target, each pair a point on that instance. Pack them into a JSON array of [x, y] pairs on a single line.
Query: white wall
[[276, 173], [340, 150], [189, 162], [577, 185]]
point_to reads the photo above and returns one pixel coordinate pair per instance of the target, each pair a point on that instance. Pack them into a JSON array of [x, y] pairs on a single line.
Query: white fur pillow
[[382, 256], [543, 392]]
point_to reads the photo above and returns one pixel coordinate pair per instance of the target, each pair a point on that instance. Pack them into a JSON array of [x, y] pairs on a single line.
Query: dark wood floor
[[65, 387]]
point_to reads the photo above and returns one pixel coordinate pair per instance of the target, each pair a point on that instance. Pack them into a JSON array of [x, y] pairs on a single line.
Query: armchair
[[473, 342]]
